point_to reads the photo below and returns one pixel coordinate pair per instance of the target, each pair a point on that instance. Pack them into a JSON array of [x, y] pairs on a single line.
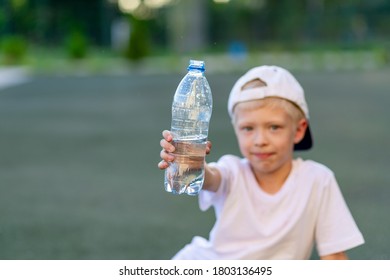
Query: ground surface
[[78, 164]]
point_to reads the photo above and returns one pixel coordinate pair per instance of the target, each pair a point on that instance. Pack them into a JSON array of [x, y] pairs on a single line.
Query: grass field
[[78, 164]]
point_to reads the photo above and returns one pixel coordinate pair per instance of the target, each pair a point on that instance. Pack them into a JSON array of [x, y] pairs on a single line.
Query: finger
[[167, 135], [167, 146], [208, 147], [163, 165], [168, 157]]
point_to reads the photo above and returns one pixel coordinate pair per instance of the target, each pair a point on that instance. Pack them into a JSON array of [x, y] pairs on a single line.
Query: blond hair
[[291, 109]]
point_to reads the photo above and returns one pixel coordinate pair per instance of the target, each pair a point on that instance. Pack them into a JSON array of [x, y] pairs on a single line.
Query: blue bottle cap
[[196, 64]]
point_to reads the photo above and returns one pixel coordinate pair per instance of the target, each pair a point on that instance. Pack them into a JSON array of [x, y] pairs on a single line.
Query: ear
[[300, 130]]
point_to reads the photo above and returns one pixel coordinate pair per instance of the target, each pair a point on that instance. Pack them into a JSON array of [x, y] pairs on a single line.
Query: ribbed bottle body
[[191, 113]]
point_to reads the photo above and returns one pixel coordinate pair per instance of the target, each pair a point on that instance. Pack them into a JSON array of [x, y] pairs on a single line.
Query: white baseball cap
[[277, 82]]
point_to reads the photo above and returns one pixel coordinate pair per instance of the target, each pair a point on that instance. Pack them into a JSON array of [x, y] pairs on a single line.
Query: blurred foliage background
[[32, 31], [86, 88]]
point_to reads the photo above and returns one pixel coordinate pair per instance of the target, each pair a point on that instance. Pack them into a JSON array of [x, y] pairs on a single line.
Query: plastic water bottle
[[191, 113]]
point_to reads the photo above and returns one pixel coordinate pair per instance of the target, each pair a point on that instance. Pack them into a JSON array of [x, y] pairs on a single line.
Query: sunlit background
[[327, 34], [86, 88]]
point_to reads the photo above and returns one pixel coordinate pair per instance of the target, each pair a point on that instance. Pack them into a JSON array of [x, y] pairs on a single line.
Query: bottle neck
[[196, 72]]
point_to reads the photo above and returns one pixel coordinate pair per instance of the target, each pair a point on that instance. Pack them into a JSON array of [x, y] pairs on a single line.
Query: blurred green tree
[[139, 44], [253, 22], [76, 45], [14, 49]]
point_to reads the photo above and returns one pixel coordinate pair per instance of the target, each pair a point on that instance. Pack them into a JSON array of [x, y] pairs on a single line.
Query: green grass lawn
[[78, 164]]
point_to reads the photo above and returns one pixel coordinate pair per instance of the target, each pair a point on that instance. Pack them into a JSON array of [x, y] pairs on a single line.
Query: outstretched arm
[[212, 175]]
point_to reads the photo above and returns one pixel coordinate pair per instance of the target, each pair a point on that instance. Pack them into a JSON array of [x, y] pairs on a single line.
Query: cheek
[[244, 144], [287, 141]]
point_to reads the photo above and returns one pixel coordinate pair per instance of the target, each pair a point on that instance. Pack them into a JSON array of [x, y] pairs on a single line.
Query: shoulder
[[312, 166], [230, 166], [231, 161], [313, 171]]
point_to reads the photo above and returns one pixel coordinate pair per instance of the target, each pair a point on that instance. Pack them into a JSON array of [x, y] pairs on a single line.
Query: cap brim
[[306, 143]]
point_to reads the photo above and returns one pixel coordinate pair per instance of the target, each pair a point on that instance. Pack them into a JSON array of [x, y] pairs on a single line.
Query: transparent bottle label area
[[187, 122], [186, 173]]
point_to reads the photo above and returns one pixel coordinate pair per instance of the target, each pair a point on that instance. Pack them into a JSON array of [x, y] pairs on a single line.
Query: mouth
[[263, 156]]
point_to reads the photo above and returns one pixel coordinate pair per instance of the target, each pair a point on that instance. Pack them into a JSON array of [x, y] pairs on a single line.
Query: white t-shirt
[[252, 224]]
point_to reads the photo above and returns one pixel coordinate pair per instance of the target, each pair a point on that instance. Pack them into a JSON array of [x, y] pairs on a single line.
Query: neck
[[272, 182]]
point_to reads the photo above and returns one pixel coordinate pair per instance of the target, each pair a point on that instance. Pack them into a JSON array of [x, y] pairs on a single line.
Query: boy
[[269, 205]]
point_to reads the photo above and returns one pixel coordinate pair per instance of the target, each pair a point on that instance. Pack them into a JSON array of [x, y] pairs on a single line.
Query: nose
[[260, 138]]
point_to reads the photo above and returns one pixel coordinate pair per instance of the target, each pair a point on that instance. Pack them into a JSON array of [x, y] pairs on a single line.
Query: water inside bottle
[[186, 173]]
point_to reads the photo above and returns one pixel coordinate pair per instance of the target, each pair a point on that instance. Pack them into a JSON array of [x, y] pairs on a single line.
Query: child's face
[[266, 136]]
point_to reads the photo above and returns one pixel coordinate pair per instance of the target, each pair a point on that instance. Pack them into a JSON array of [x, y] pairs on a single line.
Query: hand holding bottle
[[167, 153]]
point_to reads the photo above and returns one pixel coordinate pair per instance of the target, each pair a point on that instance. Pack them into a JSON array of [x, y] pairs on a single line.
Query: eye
[[246, 128], [274, 127]]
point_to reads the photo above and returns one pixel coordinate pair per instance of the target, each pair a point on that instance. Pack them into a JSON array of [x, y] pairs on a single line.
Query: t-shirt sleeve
[[336, 230], [209, 198]]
